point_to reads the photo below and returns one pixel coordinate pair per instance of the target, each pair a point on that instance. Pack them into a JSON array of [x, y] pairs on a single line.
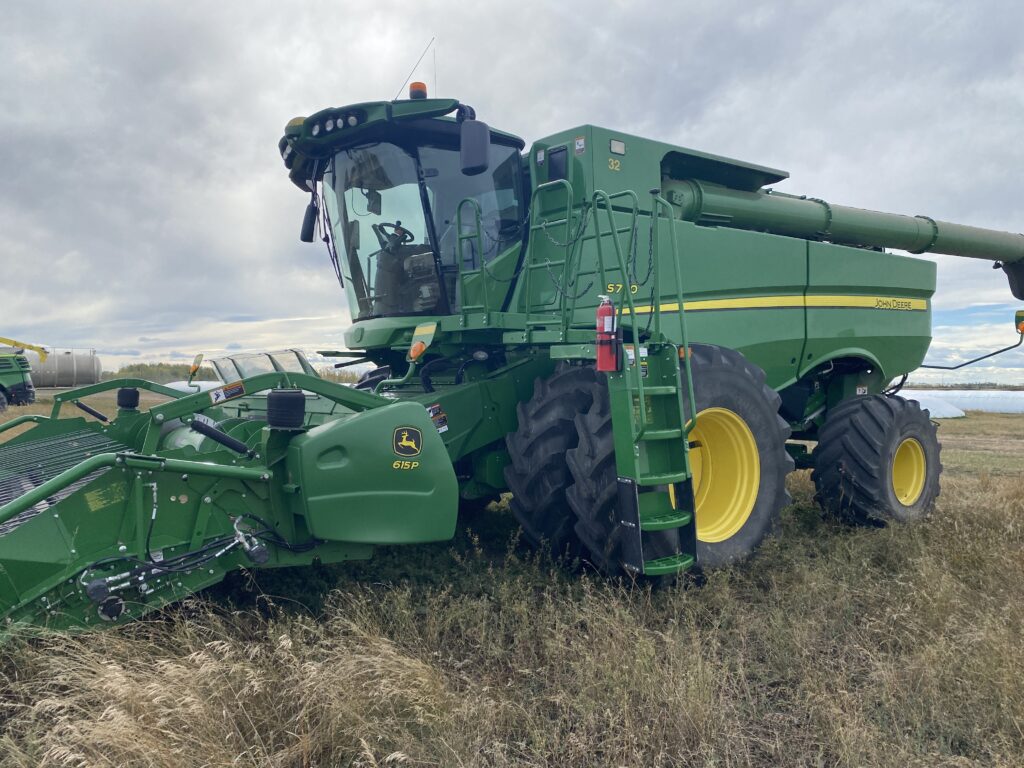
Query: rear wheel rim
[[909, 470], [726, 470]]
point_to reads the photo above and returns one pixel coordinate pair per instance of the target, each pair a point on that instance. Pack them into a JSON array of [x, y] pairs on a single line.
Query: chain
[[574, 241]]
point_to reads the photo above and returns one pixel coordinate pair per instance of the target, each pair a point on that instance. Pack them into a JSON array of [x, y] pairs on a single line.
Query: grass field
[[833, 647]]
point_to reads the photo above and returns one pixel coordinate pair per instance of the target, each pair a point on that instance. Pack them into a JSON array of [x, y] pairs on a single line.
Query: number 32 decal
[[614, 164]]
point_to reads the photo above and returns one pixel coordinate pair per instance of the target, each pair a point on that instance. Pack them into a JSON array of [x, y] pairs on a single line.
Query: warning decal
[[227, 392]]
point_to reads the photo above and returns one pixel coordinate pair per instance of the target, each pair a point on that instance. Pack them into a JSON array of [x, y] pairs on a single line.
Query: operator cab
[[393, 206], [396, 179]]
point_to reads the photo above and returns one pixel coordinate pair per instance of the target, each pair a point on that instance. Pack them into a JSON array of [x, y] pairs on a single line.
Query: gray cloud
[[143, 197]]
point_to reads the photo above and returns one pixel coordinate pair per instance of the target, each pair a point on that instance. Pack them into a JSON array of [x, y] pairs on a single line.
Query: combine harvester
[[16, 387], [630, 336]]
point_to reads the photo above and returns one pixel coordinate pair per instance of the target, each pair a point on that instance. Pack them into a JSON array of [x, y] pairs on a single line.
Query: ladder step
[[677, 518], [666, 565], [662, 434], [666, 479]]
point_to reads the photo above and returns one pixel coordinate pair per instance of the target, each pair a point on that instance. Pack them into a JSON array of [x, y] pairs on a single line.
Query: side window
[[558, 163]]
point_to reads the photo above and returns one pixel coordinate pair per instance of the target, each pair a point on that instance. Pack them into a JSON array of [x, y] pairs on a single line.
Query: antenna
[[409, 77]]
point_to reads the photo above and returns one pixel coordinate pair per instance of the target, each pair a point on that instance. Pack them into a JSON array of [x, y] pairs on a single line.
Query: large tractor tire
[[537, 474], [370, 379], [737, 452], [877, 461], [593, 497]]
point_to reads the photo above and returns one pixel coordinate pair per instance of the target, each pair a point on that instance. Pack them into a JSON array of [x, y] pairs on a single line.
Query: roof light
[[315, 130], [417, 90], [353, 120], [329, 125]]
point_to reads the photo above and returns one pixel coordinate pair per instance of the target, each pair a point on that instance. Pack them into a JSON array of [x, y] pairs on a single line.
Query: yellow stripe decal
[[898, 303]]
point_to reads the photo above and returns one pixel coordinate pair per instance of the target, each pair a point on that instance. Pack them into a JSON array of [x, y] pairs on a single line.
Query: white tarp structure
[[989, 400], [938, 408]]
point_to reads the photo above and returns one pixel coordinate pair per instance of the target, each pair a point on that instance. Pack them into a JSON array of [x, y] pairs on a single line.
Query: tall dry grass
[[834, 647]]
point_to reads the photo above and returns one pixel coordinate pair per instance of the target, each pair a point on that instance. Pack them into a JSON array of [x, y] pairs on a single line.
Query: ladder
[[648, 396], [652, 394]]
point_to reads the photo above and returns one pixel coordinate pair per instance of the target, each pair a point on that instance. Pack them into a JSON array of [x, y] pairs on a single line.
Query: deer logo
[[407, 441]]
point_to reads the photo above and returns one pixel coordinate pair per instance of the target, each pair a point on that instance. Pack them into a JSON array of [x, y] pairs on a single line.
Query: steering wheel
[[392, 234]]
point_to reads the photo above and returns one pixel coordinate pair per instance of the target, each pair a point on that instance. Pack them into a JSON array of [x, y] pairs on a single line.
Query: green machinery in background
[[636, 339], [16, 386]]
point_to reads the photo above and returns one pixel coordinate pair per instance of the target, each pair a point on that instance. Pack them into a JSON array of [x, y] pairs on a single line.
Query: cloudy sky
[[144, 210]]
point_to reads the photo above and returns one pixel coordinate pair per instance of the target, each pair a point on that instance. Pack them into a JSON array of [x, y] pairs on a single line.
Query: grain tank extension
[[636, 339]]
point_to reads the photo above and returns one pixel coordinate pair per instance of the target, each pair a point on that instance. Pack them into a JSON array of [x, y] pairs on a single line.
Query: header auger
[[629, 336]]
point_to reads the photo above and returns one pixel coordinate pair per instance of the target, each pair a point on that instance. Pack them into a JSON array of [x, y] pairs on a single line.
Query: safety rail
[[462, 237], [105, 386], [661, 204], [601, 202], [538, 225], [17, 422]]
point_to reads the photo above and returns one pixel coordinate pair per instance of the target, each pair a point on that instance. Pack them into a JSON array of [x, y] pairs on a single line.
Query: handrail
[[105, 386], [661, 204], [478, 234], [542, 225], [131, 461], [23, 420], [603, 198], [461, 237]]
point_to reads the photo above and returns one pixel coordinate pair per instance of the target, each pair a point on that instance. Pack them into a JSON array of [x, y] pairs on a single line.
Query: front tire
[[877, 461], [537, 473], [738, 456]]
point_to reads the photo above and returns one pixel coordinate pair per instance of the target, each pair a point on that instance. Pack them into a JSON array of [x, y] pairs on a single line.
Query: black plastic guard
[[630, 536], [1015, 274]]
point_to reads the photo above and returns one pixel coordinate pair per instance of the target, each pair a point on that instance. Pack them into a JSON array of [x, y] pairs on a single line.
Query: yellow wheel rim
[[726, 473], [908, 472]]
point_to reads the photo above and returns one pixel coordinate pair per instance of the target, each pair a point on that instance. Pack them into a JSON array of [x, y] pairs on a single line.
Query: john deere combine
[[16, 386], [636, 339]]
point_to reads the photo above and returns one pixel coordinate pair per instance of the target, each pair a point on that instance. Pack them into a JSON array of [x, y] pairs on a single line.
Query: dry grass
[[834, 647]]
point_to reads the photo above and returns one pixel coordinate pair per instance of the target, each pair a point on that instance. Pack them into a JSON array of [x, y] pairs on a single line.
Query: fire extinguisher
[[607, 336]]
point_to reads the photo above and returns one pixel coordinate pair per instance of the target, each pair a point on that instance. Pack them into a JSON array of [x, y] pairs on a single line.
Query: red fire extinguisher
[[607, 336]]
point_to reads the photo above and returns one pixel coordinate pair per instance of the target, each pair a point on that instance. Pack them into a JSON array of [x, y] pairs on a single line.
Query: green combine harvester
[[16, 387], [636, 339]]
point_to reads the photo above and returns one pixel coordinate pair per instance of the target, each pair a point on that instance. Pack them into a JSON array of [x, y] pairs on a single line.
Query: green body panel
[[356, 488]]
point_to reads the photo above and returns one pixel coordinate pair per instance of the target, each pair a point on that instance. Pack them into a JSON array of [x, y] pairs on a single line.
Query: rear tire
[[538, 475], [370, 379], [877, 461]]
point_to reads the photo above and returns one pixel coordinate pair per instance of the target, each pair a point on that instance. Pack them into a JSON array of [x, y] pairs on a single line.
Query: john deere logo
[[408, 441]]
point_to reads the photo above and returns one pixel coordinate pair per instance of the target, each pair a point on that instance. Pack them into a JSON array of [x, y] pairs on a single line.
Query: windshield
[[394, 210]]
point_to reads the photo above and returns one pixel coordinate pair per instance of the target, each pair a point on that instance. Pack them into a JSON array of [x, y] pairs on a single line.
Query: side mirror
[[474, 146], [309, 223], [194, 368], [373, 202]]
